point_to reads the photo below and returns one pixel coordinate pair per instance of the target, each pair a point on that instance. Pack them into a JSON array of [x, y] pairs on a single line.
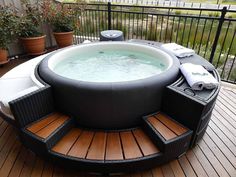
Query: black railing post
[[221, 21], [109, 15]]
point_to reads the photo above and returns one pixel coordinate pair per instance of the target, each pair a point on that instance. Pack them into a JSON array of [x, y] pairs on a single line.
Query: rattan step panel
[[105, 146], [46, 126], [170, 136]]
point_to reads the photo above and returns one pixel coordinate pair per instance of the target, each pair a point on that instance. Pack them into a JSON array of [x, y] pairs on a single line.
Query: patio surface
[[215, 154]]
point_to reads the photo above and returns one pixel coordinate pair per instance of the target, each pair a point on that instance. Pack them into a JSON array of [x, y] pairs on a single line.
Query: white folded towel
[[198, 77], [178, 50]]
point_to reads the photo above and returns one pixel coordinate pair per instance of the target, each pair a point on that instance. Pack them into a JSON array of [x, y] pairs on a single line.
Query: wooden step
[[166, 126], [47, 125], [168, 134], [105, 146]]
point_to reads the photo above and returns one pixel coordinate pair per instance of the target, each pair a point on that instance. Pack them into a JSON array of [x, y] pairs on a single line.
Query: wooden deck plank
[[98, 147], [225, 95], [220, 117], [34, 128], [225, 161], [187, 168], [28, 165], [58, 171], [10, 160], [49, 129], [130, 147], [16, 169], [38, 168], [176, 128], [212, 159], [3, 127], [176, 168], [157, 172], [80, 148], [222, 141], [224, 137], [64, 145], [161, 128], [167, 171], [199, 170], [228, 115], [113, 148], [223, 129], [7, 148], [147, 173], [7, 133], [47, 170], [227, 101], [209, 169], [145, 143]]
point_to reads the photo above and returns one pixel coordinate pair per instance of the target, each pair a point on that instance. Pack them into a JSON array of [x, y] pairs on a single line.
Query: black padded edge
[[32, 106]]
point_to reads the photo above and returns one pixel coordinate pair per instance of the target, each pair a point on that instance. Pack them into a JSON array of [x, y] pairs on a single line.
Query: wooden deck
[[215, 154]]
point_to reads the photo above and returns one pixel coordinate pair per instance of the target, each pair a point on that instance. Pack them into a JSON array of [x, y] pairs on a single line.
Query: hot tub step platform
[[102, 151], [46, 131], [170, 136]]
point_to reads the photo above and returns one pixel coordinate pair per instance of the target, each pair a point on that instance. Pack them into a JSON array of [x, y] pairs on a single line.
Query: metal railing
[[210, 32]]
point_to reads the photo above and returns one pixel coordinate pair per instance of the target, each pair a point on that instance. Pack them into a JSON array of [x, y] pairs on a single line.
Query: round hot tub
[[109, 85]]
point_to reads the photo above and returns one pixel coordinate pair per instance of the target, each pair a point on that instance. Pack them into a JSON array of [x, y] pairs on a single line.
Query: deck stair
[[171, 137], [120, 149], [46, 131]]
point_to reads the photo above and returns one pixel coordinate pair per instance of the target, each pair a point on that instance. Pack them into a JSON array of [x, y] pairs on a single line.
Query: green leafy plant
[[30, 19], [64, 17], [8, 20]]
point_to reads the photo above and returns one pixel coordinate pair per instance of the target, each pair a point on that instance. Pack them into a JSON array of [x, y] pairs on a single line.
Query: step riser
[[107, 167]]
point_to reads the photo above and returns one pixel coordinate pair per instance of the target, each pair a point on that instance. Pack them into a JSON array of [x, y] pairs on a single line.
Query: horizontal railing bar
[[160, 14]]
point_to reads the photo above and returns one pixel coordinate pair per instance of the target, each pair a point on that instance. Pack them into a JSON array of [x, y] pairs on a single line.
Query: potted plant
[[30, 20], [64, 19], [7, 26]]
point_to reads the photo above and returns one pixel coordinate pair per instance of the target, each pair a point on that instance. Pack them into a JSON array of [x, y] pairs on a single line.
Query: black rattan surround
[[191, 110]]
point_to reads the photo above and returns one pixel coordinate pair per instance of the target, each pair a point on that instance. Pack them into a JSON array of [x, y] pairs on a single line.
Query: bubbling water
[[110, 66]]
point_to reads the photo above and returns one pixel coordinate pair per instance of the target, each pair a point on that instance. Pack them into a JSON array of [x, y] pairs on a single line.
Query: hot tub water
[[110, 66]]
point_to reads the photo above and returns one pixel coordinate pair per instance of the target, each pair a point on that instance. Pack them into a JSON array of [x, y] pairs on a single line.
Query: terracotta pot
[[64, 39], [34, 45], [3, 56]]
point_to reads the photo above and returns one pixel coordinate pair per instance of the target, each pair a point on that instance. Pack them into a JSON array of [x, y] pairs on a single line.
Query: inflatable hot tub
[[109, 85]]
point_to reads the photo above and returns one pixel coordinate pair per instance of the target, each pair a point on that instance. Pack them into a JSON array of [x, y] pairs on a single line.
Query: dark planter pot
[[64, 39], [34, 45]]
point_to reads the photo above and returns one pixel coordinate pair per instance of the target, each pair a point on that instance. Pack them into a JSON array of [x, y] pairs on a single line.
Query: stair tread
[[174, 126], [114, 148], [35, 127], [145, 143], [130, 147], [161, 128], [80, 148], [45, 127], [64, 145], [168, 128], [105, 146]]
